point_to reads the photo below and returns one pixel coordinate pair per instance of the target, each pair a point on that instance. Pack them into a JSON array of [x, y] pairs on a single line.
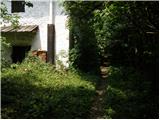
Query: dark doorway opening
[[19, 53]]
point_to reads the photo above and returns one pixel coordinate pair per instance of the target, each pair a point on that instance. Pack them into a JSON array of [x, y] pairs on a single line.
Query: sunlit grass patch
[[35, 89]]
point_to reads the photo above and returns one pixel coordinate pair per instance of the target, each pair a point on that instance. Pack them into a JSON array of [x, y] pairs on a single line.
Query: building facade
[[33, 34]]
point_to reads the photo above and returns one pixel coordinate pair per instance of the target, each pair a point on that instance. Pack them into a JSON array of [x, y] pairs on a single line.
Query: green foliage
[[34, 89], [9, 18], [121, 30], [108, 22], [129, 95], [124, 34], [28, 3], [125, 31], [83, 47], [4, 43], [4, 46], [14, 20]]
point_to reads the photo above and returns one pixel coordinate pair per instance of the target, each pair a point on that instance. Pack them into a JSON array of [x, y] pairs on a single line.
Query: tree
[[84, 50]]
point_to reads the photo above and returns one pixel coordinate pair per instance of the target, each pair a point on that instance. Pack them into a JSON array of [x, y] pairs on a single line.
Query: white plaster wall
[[62, 38], [38, 15], [62, 35]]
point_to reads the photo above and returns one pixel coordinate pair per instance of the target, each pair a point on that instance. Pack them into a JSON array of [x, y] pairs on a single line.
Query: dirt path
[[97, 109]]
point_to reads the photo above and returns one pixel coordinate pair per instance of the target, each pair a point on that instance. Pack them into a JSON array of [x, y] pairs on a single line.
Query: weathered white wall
[[39, 15], [62, 35]]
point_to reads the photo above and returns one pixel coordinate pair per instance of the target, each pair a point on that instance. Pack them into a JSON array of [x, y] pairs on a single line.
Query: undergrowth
[[129, 95], [34, 89]]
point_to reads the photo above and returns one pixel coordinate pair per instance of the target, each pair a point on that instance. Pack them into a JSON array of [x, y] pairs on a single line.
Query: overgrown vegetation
[[125, 35], [122, 34], [129, 95], [83, 45], [34, 89], [4, 46]]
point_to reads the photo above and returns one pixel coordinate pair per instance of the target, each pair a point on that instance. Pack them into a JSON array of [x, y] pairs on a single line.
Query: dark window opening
[[18, 6], [19, 53]]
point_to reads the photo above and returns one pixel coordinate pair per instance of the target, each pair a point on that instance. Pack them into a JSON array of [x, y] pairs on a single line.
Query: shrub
[[129, 95], [4, 49], [34, 89]]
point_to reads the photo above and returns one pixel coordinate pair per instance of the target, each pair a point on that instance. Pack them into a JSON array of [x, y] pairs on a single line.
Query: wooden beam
[[51, 44]]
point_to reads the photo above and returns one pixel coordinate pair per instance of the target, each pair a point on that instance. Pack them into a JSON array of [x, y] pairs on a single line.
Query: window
[[18, 6]]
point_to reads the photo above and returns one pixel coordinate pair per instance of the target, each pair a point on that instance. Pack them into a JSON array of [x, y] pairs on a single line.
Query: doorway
[[19, 53]]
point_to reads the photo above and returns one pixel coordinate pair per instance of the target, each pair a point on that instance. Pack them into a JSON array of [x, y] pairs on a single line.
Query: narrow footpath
[[97, 109]]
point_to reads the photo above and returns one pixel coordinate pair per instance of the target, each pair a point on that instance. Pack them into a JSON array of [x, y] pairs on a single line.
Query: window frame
[[17, 6]]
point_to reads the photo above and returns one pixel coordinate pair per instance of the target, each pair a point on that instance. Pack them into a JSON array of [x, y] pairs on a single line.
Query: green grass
[[35, 89], [129, 95]]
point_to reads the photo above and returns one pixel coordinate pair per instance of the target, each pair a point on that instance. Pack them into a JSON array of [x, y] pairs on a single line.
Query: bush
[[34, 89], [4, 49], [129, 95]]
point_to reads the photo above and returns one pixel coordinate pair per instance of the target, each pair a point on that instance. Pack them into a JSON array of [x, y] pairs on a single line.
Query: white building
[[33, 33]]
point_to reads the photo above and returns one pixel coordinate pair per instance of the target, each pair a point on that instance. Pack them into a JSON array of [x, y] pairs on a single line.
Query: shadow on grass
[[129, 96], [23, 97]]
